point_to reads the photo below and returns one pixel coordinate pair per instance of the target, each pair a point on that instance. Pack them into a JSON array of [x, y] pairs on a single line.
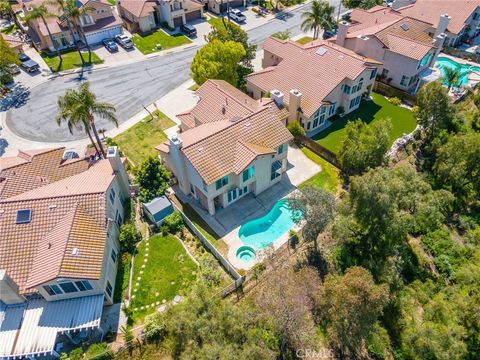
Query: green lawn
[[216, 22], [147, 43], [169, 271], [138, 142], [123, 275], [112, 2], [71, 60], [305, 39], [402, 119], [327, 179]]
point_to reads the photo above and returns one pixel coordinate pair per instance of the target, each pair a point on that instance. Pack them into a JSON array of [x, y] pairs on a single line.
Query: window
[[308, 125], [405, 80], [113, 255], [221, 182], [52, 290], [192, 189], [315, 122], [425, 60], [276, 165], [24, 216], [373, 74], [281, 149], [245, 190], [355, 102], [68, 287], [83, 285], [205, 187], [86, 20], [360, 85], [346, 89], [118, 218], [232, 195], [248, 173], [109, 289], [331, 110], [111, 195]]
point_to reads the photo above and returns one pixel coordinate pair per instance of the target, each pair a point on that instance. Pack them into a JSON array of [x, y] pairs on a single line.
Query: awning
[[31, 328]]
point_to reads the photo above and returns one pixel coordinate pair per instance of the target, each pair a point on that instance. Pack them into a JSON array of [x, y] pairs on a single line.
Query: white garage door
[[96, 37]]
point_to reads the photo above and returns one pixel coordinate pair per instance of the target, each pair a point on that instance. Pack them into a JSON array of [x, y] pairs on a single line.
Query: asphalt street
[[127, 87]]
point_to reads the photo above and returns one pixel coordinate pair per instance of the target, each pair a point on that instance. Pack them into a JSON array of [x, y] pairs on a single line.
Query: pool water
[[246, 254], [262, 232], [465, 69]]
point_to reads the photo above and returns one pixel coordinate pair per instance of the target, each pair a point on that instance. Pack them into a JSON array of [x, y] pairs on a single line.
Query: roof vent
[[321, 51], [224, 110], [24, 216], [405, 26], [52, 207], [75, 251], [248, 124], [200, 149], [236, 118]]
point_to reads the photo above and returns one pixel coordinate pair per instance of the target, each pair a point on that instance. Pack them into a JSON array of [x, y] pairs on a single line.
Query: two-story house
[[146, 15], [220, 162], [98, 23], [464, 14], [313, 81], [59, 226], [405, 46]]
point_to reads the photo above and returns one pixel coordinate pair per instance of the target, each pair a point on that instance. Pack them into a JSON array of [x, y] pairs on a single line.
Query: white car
[[237, 15]]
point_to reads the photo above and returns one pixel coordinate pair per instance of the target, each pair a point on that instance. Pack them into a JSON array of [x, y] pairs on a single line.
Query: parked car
[[189, 30], [124, 41], [28, 64], [110, 45], [328, 34], [237, 15]]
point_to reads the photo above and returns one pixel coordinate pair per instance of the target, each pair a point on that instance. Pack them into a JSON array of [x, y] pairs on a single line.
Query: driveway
[[120, 57]]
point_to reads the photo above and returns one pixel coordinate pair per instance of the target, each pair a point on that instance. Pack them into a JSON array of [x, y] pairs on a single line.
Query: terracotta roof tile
[[138, 8]]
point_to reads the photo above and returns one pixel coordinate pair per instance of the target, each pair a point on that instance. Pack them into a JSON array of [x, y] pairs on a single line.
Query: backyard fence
[[320, 150], [390, 91]]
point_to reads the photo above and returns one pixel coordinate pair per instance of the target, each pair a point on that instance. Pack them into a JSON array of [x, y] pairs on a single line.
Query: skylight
[[404, 26], [24, 216], [321, 51]]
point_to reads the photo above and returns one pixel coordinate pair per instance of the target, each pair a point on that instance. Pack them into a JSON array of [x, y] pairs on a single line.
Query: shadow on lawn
[[366, 112]]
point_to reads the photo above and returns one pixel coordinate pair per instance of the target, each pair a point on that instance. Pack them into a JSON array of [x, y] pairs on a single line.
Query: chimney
[[438, 43], [177, 162], [9, 290], [277, 96], [442, 25], [342, 33], [113, 156], [294, 104]]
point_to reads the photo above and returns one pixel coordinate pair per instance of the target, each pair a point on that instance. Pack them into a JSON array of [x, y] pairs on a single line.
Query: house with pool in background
[[314, 81], [404, 46], [59, 227]]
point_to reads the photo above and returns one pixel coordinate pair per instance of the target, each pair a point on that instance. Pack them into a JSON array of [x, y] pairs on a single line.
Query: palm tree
[[78, 107], [62, 7], [74, 13], [320, 16], [6, 9], [451, 76], [41, 12]]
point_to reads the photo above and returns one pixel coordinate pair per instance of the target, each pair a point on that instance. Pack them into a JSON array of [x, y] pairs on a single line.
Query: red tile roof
[[138, 8]]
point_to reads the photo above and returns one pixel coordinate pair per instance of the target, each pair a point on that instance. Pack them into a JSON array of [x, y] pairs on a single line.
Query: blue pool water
[[246, 254], [262, 232], [465, 69]]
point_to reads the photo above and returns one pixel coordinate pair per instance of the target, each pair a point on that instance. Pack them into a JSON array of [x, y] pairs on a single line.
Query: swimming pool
[[262, 232], [465, 69]]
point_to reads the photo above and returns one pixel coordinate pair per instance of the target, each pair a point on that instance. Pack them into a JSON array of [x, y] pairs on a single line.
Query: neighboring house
[[15, 43], [146, 15], [219, 6], [59, 226], [313, 80], [220, 162], [464, 22], [100, 23], [218, 101], [403, 45]]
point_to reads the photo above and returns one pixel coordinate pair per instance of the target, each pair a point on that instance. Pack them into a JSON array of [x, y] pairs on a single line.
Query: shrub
[[166, 26], [415, 110], [174, 222], [76, 354], [255, 10], [128, 237], [99, 351], [282, 35], [154, 329], [296, 130], [395, 101], [340, 110]]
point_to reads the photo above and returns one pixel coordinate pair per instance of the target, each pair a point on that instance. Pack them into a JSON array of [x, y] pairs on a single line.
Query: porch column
[[211, 207]]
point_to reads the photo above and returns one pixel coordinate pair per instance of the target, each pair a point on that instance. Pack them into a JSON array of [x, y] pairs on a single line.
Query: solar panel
[[321, 51], [404, 26], [24, 216]]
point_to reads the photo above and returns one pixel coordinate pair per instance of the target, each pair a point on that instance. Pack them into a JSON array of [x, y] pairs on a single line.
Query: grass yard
[[71, 60], [112, 2], [147, 43], [123, 275], [138, 142], [369, 111], [216, 22], [305, 39], [168, 271], [327, 179]]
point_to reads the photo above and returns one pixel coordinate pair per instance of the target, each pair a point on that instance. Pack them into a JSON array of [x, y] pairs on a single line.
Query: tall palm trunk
[[95, 132], [70, 28], [84, 38], [89, 133], [53, 43]]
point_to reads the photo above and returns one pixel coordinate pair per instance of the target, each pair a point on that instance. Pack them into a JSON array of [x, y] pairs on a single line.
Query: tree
[[78, 107], [41, 12], [152, 179], [6, 9], [364, 146], [128, 237], [451, 76], [233, 32], [282, 35], [218, 60], [363, 4], [75, 12], [296, 130], [435, 109], [320, 16], [315, 207], [458, 165], [349, 306], [7, 58]]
